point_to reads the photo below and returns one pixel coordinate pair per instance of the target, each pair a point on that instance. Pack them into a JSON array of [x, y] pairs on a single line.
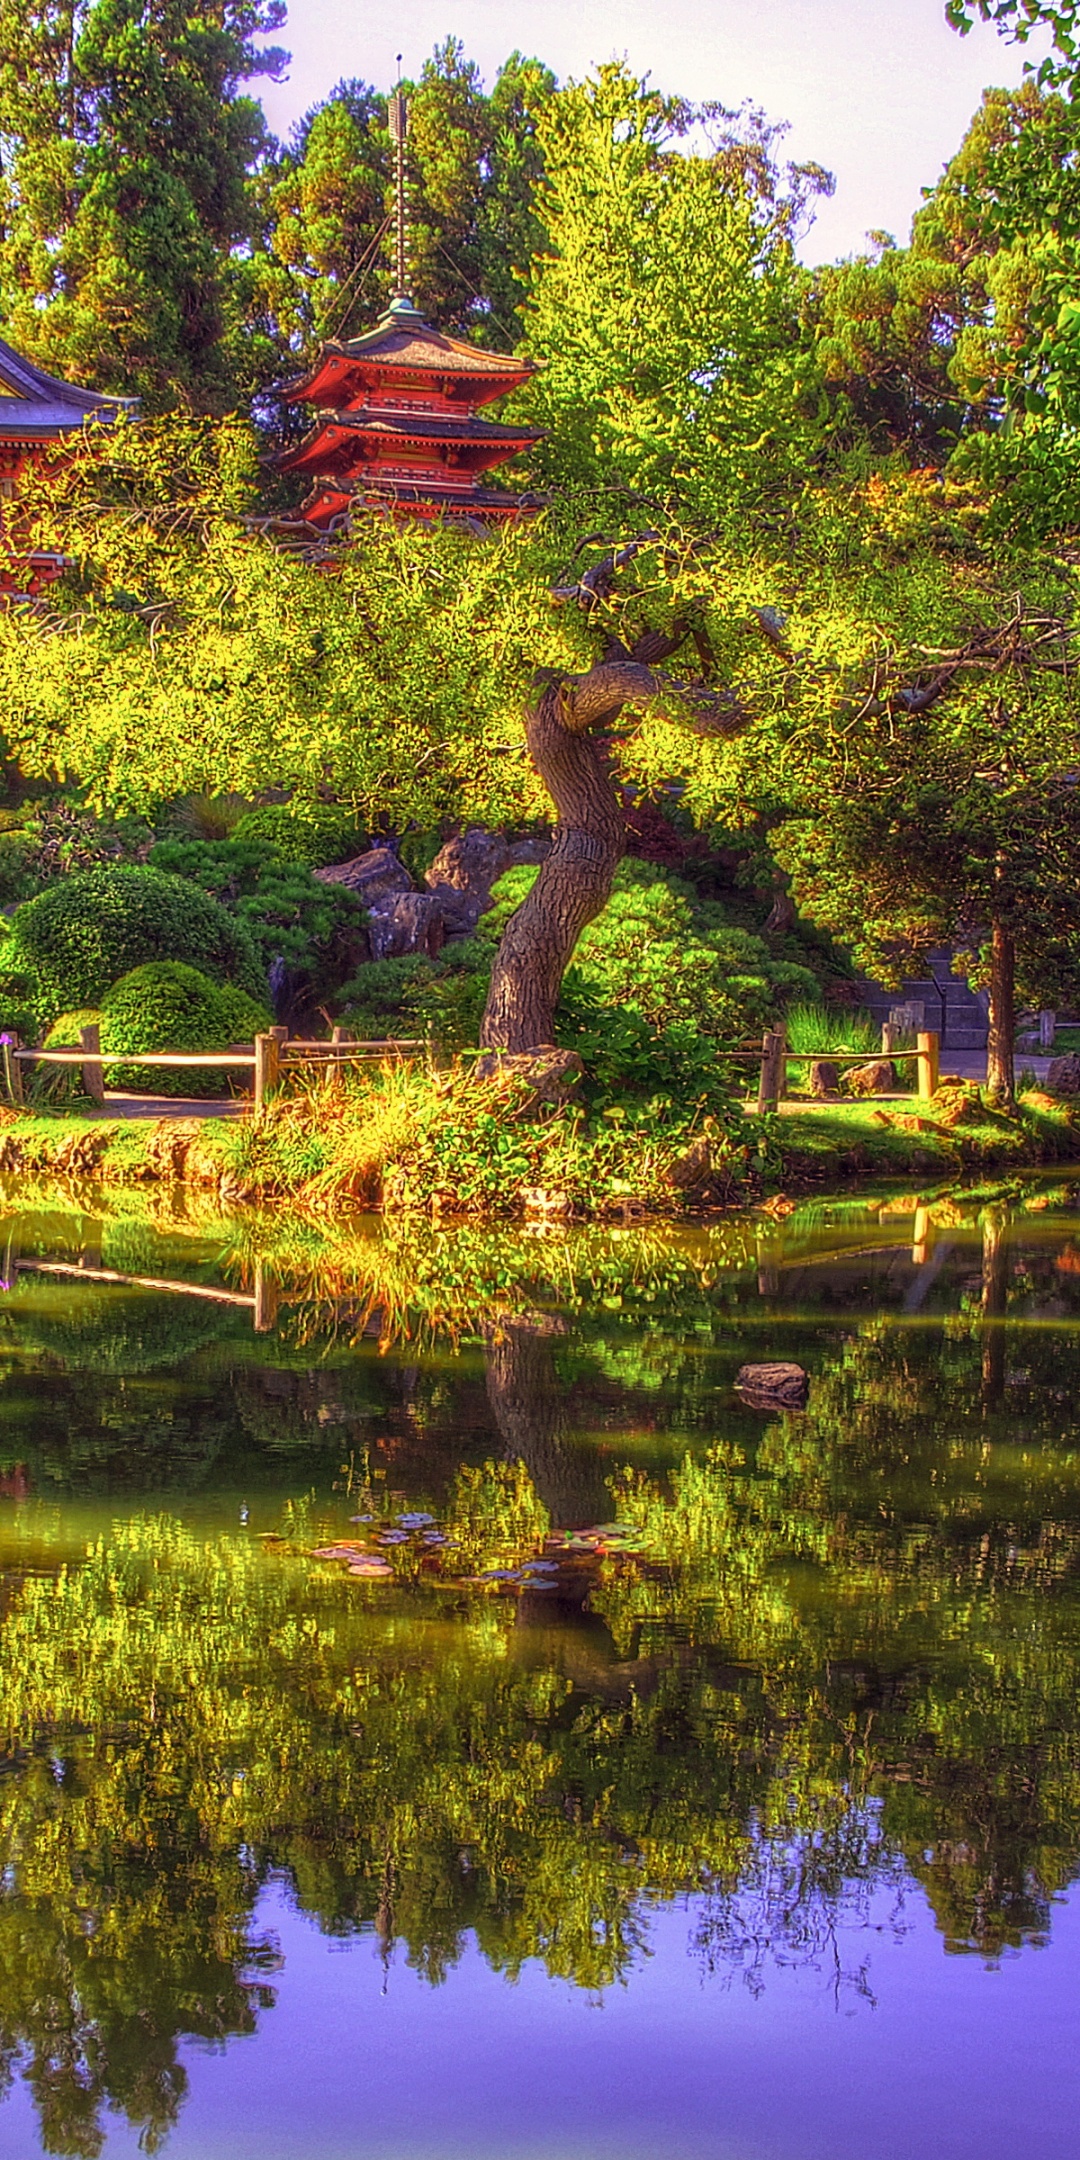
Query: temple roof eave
[[485, 501], [417, 347], [386, 427], [47, 401]]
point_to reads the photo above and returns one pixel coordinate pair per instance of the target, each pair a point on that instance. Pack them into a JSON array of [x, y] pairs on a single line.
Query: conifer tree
[[128, 143]]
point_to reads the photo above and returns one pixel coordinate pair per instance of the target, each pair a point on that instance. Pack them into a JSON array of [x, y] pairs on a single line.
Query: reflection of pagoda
[[37, 411], [397, 420]]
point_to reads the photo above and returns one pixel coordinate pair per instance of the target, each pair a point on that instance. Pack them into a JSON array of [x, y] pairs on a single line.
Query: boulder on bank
[[877, 1078], [693, 1168], [413, 923], [1063, 1075], [466, 868], [401, 920], [377, 877], [824, 1078]]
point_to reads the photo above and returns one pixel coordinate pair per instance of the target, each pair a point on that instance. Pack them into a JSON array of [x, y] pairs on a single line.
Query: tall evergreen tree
[[127, 144]]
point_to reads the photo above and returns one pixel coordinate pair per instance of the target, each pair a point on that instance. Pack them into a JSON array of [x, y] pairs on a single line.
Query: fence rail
[[277, 1052], [270, 1055]]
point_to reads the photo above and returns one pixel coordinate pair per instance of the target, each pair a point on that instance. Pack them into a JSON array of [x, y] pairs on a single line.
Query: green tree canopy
[[665, 301], [127, 145]]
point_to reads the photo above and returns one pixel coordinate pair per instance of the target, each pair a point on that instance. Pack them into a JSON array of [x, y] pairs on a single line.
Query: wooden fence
[[277, 1053], [270, 1057], [775, 1055]]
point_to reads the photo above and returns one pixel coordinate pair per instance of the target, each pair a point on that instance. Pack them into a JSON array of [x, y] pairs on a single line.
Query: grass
[[409, 1139], [815, 1030]]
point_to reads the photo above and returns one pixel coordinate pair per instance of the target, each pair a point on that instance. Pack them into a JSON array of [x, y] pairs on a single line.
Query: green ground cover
[[407, 1139]]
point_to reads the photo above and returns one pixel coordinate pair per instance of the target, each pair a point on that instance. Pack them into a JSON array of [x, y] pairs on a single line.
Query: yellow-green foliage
[[494, 1515], [402, 1136]]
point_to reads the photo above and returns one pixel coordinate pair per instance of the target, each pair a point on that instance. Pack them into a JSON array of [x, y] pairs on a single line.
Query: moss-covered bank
[[437, 1142]]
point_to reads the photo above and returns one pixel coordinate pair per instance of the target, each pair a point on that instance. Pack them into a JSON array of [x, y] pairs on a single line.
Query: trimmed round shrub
[[64, 1032], [168, 1006], [312, 833], [70, 944]]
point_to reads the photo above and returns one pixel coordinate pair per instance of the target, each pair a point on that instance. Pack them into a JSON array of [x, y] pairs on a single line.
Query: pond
[[445, 1712]]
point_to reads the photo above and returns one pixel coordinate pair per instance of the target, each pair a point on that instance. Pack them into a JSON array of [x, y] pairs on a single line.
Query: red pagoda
[[37, 411], [397, 412], [398, 422]]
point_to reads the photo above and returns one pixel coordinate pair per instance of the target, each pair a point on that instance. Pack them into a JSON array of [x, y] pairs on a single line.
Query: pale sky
[[879, 91]]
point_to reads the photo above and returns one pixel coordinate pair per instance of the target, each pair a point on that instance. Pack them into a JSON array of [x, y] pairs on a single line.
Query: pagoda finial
[[399, 128]]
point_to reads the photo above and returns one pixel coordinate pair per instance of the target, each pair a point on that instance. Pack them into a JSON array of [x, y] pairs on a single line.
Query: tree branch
[[597, 699]]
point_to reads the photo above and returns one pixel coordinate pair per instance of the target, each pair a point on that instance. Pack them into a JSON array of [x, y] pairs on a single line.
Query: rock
[[824, 1078], [1063, 1076], [412, 923], [692, 1168], [466, 868], [773, 1387], [376, 878], [551, 1074], [877, 1078]]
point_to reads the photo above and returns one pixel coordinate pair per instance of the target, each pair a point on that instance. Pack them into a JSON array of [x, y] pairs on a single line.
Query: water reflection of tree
[[847, 1657]]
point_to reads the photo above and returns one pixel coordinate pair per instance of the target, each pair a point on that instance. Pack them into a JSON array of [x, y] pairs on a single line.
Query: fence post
[[265, 1299], [928, 1043], [13, 1079], [773, 1056], [1047, 1028], [93, 1072], [889, 1033], [338, 1035], [266, 1069]]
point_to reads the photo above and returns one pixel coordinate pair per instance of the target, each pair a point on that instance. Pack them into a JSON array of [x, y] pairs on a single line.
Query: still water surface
[[656, 1771]]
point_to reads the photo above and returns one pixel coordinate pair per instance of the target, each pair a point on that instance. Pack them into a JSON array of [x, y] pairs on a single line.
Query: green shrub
[[628, 1060], [20, 877], [311, 833], [442, 999], [226, 869], [168, 1006], [317, 930], [81, 935], [64, 1032]]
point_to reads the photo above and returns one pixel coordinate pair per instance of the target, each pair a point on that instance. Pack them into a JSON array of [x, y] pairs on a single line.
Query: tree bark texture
[[589, 842], [1001, 1047], [572, 887]]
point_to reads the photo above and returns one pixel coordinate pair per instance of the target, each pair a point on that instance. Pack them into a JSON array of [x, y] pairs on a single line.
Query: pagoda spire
[[398, 421], [399, 128]]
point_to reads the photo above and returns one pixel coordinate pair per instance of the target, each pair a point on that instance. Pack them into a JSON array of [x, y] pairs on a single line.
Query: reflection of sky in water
[[950, 2062]]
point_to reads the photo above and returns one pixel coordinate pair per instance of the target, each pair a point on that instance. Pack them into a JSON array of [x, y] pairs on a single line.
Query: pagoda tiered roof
[[404, 344], [36, 411], [397, 423]]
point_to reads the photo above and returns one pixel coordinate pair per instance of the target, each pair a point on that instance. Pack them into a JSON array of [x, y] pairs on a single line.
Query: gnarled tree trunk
[[590, 835], [572, 886]]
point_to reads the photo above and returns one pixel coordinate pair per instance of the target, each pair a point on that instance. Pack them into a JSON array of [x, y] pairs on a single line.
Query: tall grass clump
[[399, 1136], [821, 1030]]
